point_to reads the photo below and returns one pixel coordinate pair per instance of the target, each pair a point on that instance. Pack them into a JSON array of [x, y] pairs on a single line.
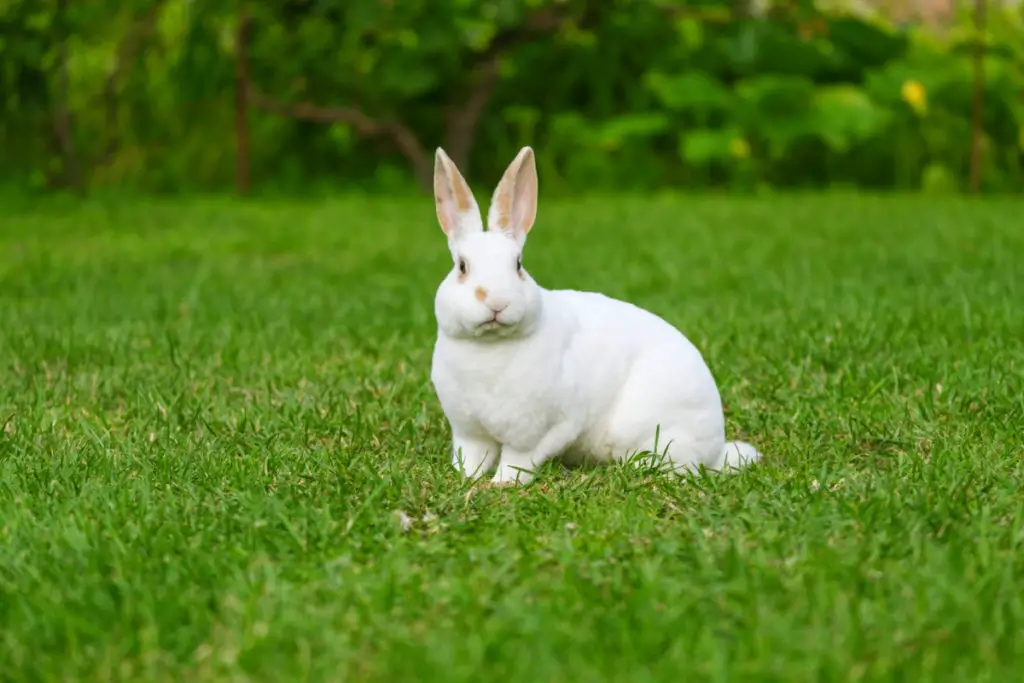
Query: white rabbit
[[525, 374]]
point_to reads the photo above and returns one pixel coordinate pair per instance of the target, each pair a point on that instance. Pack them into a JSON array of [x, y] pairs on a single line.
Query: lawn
[[216, 416]]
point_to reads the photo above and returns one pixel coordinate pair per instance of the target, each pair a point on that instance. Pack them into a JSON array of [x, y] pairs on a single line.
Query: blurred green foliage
[[613, 94]]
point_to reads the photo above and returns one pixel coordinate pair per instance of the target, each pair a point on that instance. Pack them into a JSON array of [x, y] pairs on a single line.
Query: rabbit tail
[[737, 454]]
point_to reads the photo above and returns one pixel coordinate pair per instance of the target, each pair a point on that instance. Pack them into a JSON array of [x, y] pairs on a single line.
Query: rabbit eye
[[463, 268], [519, 264]]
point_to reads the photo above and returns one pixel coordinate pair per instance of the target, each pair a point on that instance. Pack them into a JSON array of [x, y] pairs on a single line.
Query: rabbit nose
[[497, 305]]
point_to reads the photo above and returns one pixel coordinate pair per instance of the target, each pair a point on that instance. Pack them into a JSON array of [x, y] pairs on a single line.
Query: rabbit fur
[[525, 374]]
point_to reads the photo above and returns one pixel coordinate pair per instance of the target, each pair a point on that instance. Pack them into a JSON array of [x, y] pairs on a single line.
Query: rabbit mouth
[[494, 322], [494, 325]]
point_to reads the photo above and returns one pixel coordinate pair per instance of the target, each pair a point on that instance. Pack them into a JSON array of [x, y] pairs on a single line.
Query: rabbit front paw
[[474, 457]]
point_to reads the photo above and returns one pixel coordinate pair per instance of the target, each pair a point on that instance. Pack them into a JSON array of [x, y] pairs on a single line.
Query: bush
[[614, 94]]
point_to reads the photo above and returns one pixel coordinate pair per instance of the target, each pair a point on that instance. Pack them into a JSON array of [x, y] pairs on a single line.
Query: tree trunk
[[978, 95], [462, 121], [62, 125], [131, 44], [242, 164]]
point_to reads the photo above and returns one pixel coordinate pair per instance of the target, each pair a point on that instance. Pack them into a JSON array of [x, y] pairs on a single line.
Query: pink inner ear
[[524, 202], [446, 215], [502, 205], [454, 200], [513, 206], [464, 201]]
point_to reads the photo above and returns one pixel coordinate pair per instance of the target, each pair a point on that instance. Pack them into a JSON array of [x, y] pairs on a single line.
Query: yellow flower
[[739, 148], [914, 94]]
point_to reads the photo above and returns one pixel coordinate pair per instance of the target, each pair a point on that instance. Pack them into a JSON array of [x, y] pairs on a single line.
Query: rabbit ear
[[457, 211], [514, 205]]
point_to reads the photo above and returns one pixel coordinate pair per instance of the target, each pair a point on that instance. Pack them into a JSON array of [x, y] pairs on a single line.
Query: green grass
[[212, 414]]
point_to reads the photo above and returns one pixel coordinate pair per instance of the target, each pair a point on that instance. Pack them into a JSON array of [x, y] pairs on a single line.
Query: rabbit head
[[488, 294]]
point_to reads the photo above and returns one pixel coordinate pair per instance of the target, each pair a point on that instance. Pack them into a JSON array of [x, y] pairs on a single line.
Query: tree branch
[[463, 116], [402, 137]]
